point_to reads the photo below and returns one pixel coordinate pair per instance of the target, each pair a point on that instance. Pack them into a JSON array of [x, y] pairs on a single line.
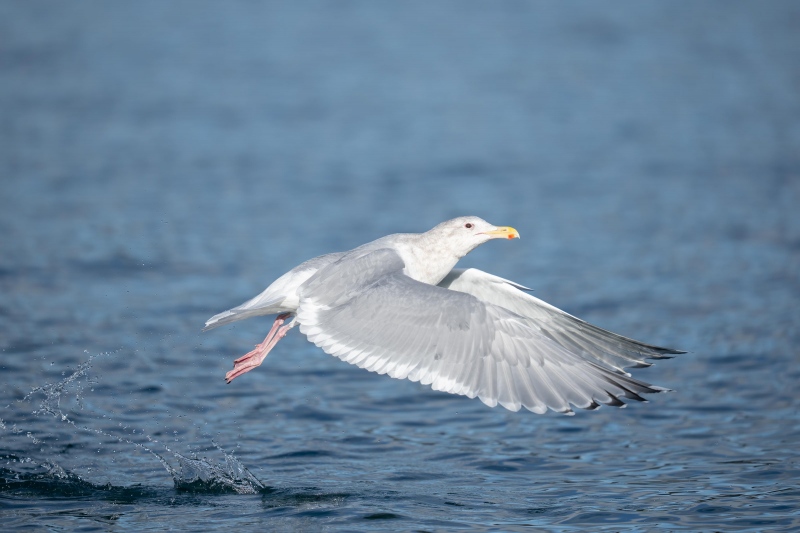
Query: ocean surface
[[163, 161]]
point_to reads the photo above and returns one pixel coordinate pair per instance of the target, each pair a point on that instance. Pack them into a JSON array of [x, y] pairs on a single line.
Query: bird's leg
[[252, 359], [278, 323]]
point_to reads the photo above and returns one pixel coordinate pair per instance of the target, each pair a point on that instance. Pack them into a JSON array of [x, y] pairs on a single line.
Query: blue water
[[161, 162]]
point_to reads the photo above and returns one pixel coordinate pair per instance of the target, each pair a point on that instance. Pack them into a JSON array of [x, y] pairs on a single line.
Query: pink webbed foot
[[263, 345], [254, 358]]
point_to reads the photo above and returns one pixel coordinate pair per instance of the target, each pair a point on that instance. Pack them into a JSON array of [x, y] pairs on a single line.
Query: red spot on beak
[[510, 235]]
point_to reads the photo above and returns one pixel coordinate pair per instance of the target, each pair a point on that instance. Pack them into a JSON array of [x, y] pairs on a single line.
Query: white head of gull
[[398, 306]]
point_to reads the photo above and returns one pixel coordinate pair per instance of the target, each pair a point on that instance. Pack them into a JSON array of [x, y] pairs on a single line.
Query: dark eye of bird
[[468, 225]]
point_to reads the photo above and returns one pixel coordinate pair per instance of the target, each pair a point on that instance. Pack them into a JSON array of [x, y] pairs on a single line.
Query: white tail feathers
[[246, 310]]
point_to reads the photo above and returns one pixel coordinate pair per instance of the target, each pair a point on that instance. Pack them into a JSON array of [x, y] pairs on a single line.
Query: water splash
[[192, 474], [201, 475]]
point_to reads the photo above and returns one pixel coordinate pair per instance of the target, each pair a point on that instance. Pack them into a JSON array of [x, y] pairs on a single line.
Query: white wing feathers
[[572, 333], [476, 335]]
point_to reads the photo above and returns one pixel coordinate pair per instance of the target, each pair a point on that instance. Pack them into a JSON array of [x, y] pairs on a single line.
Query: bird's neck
[[427, 260]]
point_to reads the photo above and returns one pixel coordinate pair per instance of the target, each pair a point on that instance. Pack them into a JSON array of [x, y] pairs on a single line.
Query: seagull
[[398, 306]]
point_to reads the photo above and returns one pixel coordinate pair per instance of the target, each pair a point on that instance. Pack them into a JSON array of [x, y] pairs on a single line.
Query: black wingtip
[[664, 353], [614, 401]]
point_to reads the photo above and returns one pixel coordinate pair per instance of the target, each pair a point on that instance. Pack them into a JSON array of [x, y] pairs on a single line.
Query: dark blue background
[[164, 161]]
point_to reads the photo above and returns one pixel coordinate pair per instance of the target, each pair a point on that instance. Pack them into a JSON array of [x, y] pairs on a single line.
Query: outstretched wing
[[575, 335], [365, 311]]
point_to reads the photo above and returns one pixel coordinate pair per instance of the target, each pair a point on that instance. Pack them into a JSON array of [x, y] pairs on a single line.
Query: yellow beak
[[503, 232]]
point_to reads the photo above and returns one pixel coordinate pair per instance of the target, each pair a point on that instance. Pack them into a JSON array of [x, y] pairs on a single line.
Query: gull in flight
[[398, 306]]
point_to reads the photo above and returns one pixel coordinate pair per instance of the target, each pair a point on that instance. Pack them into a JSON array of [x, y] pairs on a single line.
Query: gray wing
[[577, 336], [365, 311]]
